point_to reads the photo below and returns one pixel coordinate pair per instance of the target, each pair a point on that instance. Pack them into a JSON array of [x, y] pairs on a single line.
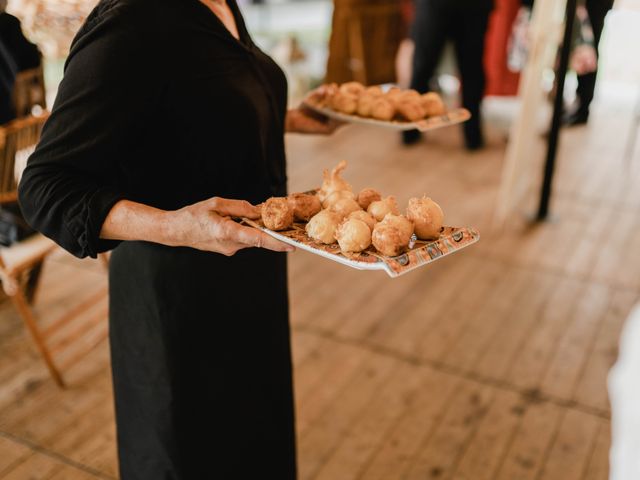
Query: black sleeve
[[70, 183]]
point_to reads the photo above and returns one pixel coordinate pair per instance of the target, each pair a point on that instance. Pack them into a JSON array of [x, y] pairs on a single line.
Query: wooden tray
[[452, 239], [452, 117]]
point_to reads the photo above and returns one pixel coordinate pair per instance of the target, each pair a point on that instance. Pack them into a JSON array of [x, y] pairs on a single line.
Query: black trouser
[[436, 22], [597, 10]]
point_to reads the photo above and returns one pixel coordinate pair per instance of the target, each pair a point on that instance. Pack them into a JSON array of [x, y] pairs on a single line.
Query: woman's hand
[[305, 120], [207, 225]]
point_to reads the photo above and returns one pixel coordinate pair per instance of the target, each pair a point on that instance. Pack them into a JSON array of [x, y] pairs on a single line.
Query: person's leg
[[597, 10], [429, 33], [469, 34]]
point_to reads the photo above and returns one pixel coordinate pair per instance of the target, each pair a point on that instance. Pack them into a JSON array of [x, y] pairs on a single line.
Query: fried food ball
[[389, 240], [367, 196], [401, 222], [353, 236], [365, 105], [352, 88], [337, 196], [365, 217], [333, 182], [433, 104], [304, 206], [380, 208], [322, 226], [383, 109], [344, 102], [427, 217], [277, 213], [375, 91], [393, 94], [411, 110], [344, 207], [330, 90], [409, 95]]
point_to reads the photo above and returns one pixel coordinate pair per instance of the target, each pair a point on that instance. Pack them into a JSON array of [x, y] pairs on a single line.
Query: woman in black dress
[[166, 112]]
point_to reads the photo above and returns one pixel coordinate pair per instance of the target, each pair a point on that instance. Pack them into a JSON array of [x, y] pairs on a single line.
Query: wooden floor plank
[[528, 367], [486, 320], [435, 344], [361, 441], [517, 326], [319, 443], [571, 451], [576, 343], [310, 405], [494, 435], [70, 473], [35, 467], [11, 454], [402, 445], [598, 466], [526, 454], [439, 457], [592, 386], [399, 333]]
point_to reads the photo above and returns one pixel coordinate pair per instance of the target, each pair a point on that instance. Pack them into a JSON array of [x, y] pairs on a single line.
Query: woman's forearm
[[129, 220], [206, 225]]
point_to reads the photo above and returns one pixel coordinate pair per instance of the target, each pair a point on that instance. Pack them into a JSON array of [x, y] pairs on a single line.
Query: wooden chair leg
[[22, 306]]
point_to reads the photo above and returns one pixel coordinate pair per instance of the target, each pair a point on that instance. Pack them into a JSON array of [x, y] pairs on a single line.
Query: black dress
[[161, 105]]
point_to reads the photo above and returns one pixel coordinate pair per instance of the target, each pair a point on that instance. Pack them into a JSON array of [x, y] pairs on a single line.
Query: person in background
[[588, 32], [579, 114], [465, 23], [26, 55], [8, 72]]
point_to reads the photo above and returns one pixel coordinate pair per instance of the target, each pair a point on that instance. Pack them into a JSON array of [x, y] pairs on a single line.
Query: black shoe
[[409, 137], [579, 117]]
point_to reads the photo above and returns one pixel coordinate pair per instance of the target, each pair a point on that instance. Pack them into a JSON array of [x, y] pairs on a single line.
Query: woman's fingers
[[252, 237], [233, 208]]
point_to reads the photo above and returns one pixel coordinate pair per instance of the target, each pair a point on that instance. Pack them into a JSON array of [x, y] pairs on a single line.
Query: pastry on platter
[[336, 196], [392, 235], [344, 207], [333, 182], [352, 88], [402, 223], [304, 206], [380, 208], [353, 236], [367, 196], [383, 109], [344, 103], [427, 217], [322, 227], [410, 110], [277, 213], [365, 217], [433, 105]]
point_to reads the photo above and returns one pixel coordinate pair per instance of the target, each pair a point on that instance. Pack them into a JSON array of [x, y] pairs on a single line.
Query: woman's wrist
[[129, 220]]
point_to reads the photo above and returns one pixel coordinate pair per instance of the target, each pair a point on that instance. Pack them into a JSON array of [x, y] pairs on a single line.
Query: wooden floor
[[489, 365]]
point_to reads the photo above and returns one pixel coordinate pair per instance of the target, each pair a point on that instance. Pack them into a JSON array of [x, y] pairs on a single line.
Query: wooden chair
[[17, 261], [29, 91]]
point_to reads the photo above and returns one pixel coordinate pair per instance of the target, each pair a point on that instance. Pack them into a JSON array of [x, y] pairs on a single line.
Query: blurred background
[[490, 364]]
